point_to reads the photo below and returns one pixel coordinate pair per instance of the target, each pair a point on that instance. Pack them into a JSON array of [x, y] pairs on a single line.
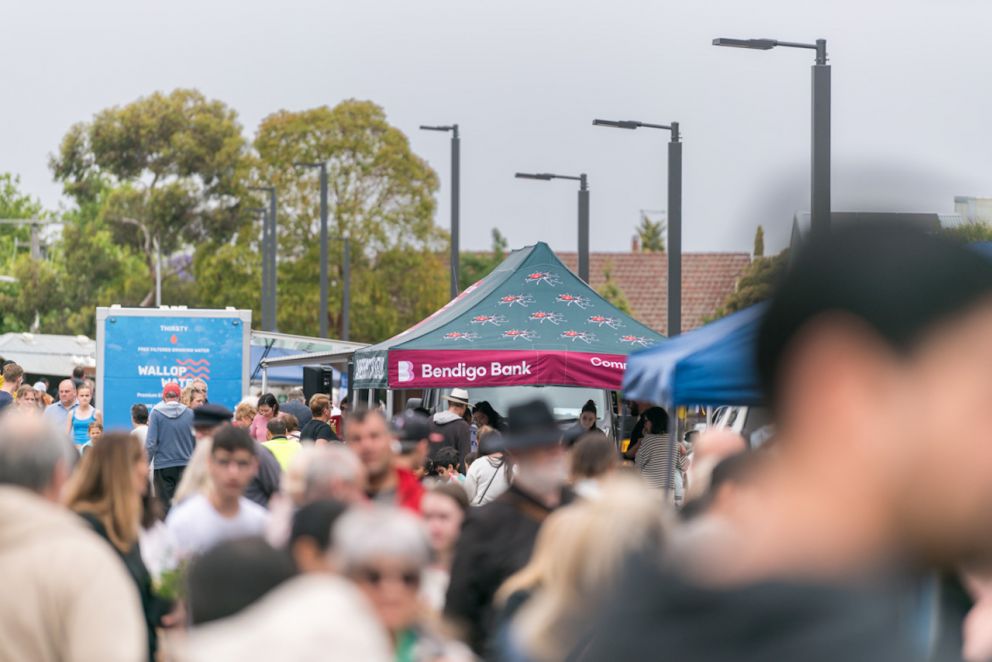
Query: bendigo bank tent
[[711, 365], [530, 322]]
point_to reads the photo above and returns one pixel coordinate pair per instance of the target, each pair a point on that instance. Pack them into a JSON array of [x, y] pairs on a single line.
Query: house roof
[[707, 280], [46, 354]]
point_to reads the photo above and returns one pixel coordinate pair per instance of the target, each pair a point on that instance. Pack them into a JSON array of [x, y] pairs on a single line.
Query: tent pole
[[389, 402], [265, 378]]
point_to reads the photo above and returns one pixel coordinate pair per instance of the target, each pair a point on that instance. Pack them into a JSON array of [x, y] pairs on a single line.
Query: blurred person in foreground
[[875, 353], [65, 595], [708, 450], [368, 435], [497, 538], [222, 513], [310, 536], [106, 491], [580, 553], [385, 551], [413, 432], [314, 474], [443, 508], [233, 575], [314, 616]]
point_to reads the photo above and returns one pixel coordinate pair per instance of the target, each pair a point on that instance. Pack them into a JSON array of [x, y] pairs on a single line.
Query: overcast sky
[[911, 112]]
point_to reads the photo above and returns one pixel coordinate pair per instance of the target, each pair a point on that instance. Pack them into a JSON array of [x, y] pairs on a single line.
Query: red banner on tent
[[467, 368]]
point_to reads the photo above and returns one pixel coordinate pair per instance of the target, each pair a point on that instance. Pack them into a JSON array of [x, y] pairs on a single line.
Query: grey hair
[[363, 534], [30, 450], [327, 466], [296, 394]]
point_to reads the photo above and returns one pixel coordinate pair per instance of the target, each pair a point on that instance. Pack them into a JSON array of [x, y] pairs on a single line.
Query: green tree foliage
[[610, 291], [474, 266], [759, 242], [85, 268], [381, 195], [13, 238], [756, 284], [168, 169], [971, 232], [651, 235]]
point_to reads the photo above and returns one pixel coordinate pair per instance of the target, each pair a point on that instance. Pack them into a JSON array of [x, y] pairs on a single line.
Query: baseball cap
[[172, 389], [411, 426]]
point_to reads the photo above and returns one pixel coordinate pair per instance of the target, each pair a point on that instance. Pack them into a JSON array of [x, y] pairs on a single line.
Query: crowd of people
[[281, 530]]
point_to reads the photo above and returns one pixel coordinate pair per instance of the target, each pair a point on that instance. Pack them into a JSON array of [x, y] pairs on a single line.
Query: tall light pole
[[583, 214], [455, 187], [674, 215], [269, 249], [346, 289], [820, 202], [324, 290]]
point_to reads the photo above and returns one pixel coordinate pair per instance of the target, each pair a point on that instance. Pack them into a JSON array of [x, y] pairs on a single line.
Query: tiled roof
[[707, 280]]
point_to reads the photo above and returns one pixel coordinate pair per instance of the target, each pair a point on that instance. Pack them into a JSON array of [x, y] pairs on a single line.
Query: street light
[[820, 202], [583, 214], [324, 291], [674, 214], [268, 260], [455, 186]]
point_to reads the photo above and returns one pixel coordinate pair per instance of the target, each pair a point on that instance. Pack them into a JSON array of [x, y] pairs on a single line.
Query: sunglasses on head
[[375, 577]]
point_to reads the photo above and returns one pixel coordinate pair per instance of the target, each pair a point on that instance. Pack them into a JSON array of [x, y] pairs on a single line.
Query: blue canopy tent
[[711, 365], [983, 247]]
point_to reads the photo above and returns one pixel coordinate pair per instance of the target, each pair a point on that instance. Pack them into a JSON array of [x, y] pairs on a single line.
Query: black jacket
[[153, 607], [457, 434], [656, 613], [315, 430], [496, 541]]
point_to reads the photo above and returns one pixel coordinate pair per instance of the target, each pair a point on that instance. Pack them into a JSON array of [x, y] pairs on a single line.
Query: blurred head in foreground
[[233, 575], [384, 551], [579, 555], [876, 357]]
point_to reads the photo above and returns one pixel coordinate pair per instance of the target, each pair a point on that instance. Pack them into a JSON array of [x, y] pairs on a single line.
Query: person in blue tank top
[[84, 413]]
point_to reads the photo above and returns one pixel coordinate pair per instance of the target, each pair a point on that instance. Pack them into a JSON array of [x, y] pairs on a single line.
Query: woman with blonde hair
[[106, 491], [578, 557], [244, 414]]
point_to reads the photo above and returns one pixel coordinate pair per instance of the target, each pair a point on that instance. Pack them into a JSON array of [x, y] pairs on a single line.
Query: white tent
[[46, 354]]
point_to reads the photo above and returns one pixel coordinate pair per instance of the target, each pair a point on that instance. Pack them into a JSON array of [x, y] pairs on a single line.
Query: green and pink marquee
[[529, 322]]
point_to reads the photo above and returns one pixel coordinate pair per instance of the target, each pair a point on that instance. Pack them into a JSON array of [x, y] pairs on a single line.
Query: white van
[[565, 402]]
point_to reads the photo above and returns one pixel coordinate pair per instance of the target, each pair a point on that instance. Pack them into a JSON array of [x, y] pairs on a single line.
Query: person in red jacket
[[369, 436]]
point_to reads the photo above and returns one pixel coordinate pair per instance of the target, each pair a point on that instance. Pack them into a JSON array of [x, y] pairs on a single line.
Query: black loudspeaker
[[317, 380]]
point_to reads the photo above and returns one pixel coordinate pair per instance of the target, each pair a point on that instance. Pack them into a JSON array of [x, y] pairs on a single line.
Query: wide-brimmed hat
[[458, 395], [532, 425]]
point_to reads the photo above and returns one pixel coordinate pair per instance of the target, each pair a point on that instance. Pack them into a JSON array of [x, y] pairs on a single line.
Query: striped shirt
[[655, 459]]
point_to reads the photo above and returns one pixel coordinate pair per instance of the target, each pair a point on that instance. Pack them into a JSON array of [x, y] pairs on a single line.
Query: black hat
[[210, 415], [532, 426], [411, 426]]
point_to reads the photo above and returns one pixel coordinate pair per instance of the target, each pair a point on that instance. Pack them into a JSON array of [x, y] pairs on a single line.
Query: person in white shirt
[[139, 422], [222, 513]]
